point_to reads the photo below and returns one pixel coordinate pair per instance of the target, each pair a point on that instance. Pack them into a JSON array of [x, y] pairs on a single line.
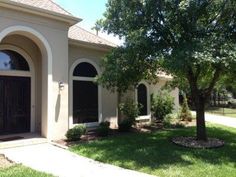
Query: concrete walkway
[[60, 162], [223, 120]]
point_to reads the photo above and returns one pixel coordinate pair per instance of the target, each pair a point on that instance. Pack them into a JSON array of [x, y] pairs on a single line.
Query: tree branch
[[216, 76]]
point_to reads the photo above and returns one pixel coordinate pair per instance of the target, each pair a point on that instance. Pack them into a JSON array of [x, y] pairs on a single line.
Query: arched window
[[11, 60], [85, 70], [142, 99], [85, 94]]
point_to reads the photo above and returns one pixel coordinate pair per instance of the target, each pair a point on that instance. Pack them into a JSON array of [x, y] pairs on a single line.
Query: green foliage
[[162, 104], [121, 71], [76, 132], [185, 114], [103, 129], [192, 40], [125, 125], [130, 111]]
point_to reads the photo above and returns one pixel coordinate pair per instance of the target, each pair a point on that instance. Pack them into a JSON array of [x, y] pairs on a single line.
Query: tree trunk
[[118, 106], [201, 126]]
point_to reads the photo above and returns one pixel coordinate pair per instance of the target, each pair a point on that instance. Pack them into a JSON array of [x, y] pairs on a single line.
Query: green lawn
[[21, 171], [222, 111], [153, 153]]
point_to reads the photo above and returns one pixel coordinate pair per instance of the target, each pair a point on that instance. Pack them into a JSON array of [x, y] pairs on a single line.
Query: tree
[[192, 39], [123, 72]]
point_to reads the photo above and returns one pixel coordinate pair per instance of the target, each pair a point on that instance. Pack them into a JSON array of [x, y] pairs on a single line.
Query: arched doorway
[[16, 80], [40, 121], [86, 94]]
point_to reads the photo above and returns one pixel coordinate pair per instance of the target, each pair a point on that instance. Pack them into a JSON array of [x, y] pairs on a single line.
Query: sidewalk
[[223, 120], [60, 162]]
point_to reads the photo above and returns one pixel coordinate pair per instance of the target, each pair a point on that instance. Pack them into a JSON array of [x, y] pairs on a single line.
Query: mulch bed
[[143, 128], [192, 142], [92, 136], [4, 162]]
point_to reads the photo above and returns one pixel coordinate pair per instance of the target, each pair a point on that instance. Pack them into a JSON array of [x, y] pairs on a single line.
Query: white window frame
[[71, 79]]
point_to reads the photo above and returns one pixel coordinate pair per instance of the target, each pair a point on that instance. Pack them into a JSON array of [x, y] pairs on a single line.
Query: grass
[[222, 111], [21, 171], [153, 153]]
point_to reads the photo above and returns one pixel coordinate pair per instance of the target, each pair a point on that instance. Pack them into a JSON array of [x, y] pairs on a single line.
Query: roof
[[80, 34], [44, 4], [75, 32]]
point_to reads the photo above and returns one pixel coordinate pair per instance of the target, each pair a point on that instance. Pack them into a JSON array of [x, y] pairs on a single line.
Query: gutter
[[100, 47], [71, 20]]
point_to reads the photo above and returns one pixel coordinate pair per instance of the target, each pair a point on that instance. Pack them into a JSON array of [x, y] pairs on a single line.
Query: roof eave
[[71, 20], [101, 47]]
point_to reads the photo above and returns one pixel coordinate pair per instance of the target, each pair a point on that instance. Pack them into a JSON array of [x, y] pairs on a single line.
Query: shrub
[[103, 129], [75, 133], [125, 125], [185, 114], [162, 104], [130, 111]]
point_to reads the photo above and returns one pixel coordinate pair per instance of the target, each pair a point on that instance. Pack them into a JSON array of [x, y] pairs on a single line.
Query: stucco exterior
[[44, 40]]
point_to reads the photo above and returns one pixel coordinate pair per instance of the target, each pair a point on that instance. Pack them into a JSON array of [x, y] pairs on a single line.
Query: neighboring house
[[47, 68]]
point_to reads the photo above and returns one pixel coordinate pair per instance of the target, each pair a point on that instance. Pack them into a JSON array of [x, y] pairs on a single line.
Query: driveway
[[60, 162], [223, 120]]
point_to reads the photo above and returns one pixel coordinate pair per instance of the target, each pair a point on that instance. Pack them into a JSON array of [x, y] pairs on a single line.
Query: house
[[47, 68]]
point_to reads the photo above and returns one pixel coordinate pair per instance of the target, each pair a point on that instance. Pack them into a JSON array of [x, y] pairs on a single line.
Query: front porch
[[17, 140]]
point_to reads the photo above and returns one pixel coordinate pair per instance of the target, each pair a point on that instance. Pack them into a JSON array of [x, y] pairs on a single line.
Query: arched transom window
[[11, 60], [85, 94]]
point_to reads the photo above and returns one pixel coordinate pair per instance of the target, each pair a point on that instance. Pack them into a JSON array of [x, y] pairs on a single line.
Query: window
[[85, 94], [85, 70], [142, 99], [10, 60]]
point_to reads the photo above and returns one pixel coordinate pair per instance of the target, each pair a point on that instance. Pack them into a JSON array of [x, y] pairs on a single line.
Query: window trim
[[91, 79], [148, 116]]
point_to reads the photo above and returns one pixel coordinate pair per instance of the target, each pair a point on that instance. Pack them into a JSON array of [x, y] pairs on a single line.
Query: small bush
[[185, 114], [103, 129], [162, 104], [75, 133], [130, 111], [125, 125]]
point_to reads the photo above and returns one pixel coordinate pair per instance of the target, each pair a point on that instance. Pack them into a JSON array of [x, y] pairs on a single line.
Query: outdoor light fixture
[[61, 85]]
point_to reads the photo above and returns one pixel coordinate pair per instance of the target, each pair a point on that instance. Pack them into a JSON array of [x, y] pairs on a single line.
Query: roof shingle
[[44, 4], [78, 33]]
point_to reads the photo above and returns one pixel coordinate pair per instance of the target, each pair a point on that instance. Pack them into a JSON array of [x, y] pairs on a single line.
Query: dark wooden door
[[14, 104]]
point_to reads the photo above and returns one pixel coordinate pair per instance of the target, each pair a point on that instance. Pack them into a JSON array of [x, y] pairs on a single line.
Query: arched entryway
[[85, 97], [16, 90], [31, 42]]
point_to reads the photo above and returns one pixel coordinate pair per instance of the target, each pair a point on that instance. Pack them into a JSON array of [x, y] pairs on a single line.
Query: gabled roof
[[75, 33], [80, 34], [44, 4]]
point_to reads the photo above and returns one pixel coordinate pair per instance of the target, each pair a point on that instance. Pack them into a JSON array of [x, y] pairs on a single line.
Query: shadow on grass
[[155, 150]]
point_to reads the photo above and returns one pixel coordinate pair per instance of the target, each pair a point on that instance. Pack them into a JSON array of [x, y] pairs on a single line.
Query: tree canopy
[[194, 40]]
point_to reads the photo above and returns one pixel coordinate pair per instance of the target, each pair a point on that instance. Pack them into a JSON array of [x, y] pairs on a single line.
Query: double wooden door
[[15, 111]]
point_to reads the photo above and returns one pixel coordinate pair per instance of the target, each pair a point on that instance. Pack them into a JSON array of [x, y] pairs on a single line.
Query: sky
[[90, 11]]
